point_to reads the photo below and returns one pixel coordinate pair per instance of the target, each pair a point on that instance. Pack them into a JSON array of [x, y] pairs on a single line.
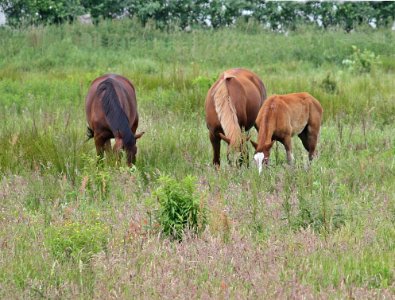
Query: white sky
[[2, 18]]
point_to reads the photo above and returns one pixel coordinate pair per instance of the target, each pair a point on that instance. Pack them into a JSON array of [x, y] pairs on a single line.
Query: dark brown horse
[[283, 116], [232, 105], [111, 112]]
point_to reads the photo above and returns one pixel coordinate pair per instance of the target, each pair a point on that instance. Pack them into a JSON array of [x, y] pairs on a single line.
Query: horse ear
[[139, 135], [226, 139], [254, 144]]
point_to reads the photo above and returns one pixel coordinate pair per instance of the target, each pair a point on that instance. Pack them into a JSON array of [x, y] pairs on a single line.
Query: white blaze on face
[[258, 157]]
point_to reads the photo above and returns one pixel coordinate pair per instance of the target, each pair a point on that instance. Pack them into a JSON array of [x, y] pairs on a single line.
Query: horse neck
[[266, 130]]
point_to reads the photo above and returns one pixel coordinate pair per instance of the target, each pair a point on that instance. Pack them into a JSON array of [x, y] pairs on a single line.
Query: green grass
[[71, 228]]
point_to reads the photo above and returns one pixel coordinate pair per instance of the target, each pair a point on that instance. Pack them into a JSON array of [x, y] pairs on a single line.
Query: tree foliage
[[207, 13], [29, 12]]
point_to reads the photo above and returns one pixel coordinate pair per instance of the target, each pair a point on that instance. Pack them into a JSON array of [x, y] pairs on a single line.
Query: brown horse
[[111, 112], [232, 105], [283, 116]]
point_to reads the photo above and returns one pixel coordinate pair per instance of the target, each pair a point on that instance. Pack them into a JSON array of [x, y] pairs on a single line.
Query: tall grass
[[319, 230]]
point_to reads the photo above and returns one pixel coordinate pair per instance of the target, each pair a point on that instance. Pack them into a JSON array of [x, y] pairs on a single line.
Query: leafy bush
[[204, 82], [361, 61], [77, 241], [180, 207]]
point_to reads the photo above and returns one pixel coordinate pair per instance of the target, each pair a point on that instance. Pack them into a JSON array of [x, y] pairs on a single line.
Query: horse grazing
[[283, 116], [232, 105], [111, 112]]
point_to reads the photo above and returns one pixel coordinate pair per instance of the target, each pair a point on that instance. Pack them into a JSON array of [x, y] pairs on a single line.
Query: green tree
[[349, 15], [145, 10], [384, 13], [28, 12], [105, 8], [214, 13]]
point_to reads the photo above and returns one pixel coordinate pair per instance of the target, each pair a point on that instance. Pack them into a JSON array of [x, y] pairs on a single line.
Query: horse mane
[[226, 111], [268, 115], [115, 115]]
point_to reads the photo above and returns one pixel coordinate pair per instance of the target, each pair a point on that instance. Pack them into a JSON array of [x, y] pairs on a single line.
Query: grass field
[[72, 229]]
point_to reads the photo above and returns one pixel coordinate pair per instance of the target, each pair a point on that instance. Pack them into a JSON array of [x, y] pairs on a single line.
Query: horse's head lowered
[[129, 146]]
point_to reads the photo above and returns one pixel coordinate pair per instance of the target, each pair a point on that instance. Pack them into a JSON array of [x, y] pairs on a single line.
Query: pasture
[[70, 228]]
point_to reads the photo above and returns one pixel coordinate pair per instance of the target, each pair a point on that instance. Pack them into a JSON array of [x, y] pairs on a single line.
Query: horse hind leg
[[309, 137], [312, 140], [216, 143], [287, 142], [304, 138]]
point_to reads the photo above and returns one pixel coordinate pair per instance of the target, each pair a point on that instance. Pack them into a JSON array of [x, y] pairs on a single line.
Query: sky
[[2, 18]]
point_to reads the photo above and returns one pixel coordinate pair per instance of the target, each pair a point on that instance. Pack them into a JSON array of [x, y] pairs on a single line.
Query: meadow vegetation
[[72, 228]]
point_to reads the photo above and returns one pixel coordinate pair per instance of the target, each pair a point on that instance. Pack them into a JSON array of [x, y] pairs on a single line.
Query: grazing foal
[[283, 116]]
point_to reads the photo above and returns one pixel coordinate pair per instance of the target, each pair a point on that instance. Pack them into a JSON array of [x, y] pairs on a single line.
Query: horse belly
[[297, 129]]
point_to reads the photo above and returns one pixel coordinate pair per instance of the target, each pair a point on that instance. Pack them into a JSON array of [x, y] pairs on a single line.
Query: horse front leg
[[117, 149], [288, 148], [102, 144]]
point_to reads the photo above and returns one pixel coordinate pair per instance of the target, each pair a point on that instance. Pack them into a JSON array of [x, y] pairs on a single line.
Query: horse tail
[[89, 133], [226, 111], [115, 115]]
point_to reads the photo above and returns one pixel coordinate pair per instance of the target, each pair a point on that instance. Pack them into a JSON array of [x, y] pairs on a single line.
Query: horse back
[[126, 96], [246, 92], [251, 78], [289, 113], [247, 99]]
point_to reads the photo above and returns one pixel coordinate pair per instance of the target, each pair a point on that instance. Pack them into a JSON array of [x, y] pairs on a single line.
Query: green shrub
[[77, 241], [180, 207], [361, 61], [204, 82]]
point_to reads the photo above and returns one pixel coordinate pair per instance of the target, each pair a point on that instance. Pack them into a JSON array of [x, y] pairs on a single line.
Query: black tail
[[89, 133], [114, 113]]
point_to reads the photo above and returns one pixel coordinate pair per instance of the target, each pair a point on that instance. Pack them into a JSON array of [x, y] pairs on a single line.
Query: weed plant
[[180, 208]]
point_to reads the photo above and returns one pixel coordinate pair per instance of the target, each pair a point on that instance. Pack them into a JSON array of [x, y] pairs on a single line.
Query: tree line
[[182, 14]]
